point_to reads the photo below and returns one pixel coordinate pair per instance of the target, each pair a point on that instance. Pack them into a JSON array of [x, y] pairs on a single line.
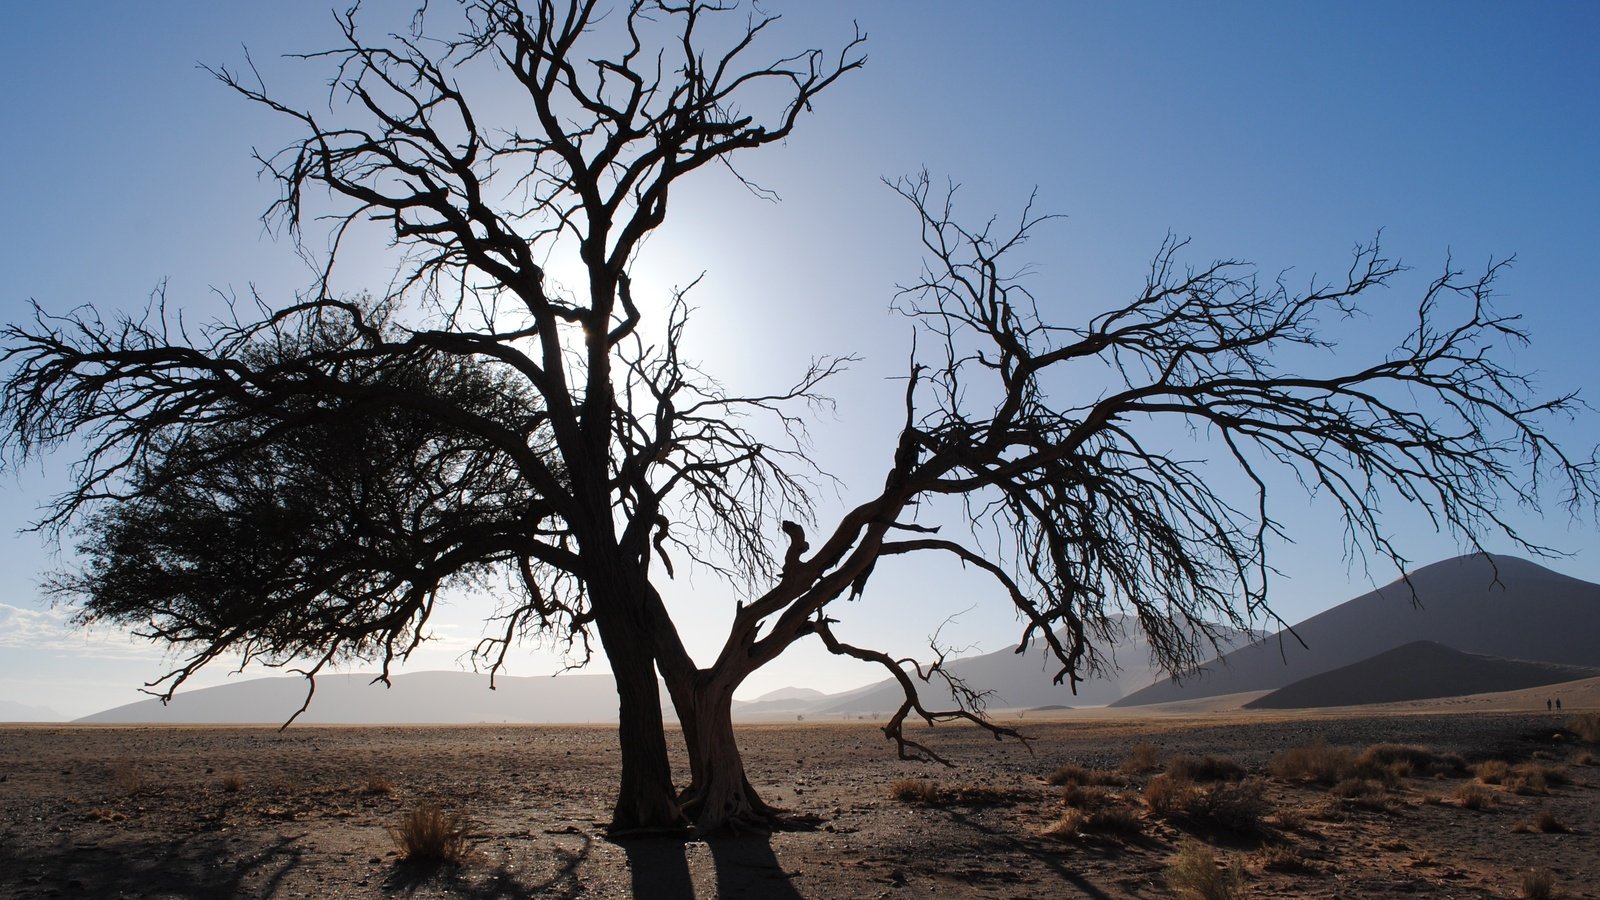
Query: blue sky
[[1277, 133]]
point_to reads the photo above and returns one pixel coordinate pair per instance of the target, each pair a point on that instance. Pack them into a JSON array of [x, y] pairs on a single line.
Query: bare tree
[[561, 454]]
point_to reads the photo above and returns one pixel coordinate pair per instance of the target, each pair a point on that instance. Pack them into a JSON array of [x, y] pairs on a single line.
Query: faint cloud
[[53, 629]]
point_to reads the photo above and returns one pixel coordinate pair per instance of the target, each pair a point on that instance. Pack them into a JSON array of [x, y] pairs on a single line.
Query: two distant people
[[1556, 705]]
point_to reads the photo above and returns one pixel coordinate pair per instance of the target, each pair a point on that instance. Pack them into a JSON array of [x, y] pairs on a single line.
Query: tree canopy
[[298, 482]]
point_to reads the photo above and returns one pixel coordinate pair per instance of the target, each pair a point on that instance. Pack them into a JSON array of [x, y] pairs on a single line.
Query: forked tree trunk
[[719, 797], [646, 800]]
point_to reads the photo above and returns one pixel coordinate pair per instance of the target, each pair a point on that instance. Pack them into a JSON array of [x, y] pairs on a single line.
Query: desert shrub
[[1547, 822], [1284, 859], [1364, 792], [1290, 819], [1586, 726], [1402, 760], [1116, 819], [1071, 773], [1195, 873], [233, 782], [1167, 796], [1473, 796], [1204, 768], [429, 835], [1537, 884], [377, 784], [1583, 759], [915, 790], [1143, 758], [1237, 806], [128, 779], [1317, 762], [1493, 771], [1069, 824], [1554, 776], [1526, 781], [1084, 797]]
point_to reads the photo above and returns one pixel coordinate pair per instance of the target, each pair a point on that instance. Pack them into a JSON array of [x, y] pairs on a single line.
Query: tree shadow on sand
[[487, 882], [746, 866], [196, 866]]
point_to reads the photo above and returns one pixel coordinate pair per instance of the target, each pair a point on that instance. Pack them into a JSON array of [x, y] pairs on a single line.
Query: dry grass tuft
[[1085, 797], [1473, 796], [1404, 760], [1285, 859], [1583, 759], [1586, 726], [1239, 807], [1143, 758], [107, 816], [1493, 771], [377, 784], [128, 779], [1112, 820], [1204, 768], [1070, 774], [1537, 884], [1195, 873], [915, 790], [430, 836], [232, 782], [1317, 762], [1547, 823], [1366, 793]]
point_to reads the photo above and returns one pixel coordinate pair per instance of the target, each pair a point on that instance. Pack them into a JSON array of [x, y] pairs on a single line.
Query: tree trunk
[[646, 800], [719, 796]]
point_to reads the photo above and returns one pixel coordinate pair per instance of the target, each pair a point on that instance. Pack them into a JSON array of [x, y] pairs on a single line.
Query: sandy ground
[[221, 812]]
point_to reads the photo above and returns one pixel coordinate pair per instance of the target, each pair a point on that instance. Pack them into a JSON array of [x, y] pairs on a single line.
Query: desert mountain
[[12, 711], [1420, 670], [1023, 680], [416, 698], [1494, 606]]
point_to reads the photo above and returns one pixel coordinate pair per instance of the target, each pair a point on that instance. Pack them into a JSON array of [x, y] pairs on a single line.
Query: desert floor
[[200, 811]]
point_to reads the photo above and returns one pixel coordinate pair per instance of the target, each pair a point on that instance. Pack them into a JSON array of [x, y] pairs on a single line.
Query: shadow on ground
[[745, 867]]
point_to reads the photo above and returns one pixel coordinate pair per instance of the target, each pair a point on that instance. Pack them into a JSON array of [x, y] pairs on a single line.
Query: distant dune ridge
[[1473, 634], [1420, 670], [1498, 606], [1025, 680]]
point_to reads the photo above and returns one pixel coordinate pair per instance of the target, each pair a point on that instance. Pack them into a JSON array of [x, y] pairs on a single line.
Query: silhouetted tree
[[519, 434]]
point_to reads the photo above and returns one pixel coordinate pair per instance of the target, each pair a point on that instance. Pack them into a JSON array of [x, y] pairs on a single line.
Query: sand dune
[[1419, 670], [1496, 606]]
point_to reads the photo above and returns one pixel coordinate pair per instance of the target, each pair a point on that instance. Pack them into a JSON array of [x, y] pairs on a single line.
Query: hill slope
[[1022, 680], [452, 698], [1420, 670], [1528, 613]]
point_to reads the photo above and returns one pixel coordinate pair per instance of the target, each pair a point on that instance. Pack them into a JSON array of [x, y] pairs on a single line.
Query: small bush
[[1537, 884], [1317, 762], [1492, 771], [1143, 758], [1586, 727], [233, 782], [1195, 873], [428, 835], [1583, 759], [1552, 776], [1526, 782], [1547, 823], [915, 790], [128, 779], [1085, 797], [1166, 796], [1403, 760], [1204, 768], [1285, 859], [1119, 820], [377, 784], [1364, 792], [1239, 807], [1076, 774], [1473, 796]]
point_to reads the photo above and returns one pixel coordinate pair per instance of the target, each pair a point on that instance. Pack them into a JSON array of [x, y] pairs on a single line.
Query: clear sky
[[1277, 133]]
